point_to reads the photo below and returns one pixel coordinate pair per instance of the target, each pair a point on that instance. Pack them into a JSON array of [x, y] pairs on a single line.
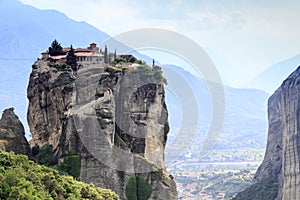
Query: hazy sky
[[242, 37]]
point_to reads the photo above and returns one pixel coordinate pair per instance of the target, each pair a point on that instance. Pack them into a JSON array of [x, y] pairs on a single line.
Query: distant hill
[[271, 78], [245, 123], [25, 32], [25, 28]]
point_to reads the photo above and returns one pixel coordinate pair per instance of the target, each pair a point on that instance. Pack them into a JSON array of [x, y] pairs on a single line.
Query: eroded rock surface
[[272, 164], [282, 158], [114, 118], [12, 134]]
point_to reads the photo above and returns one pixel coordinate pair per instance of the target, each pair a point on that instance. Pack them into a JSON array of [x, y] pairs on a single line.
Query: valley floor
[[215, 178]]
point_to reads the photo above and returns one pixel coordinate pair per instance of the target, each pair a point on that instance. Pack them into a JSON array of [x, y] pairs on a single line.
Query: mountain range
[[270, 79], [245, 121]]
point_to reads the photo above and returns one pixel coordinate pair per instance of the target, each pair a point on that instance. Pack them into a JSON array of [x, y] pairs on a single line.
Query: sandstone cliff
[[282, 158], [290, 101], [114, 118], [272, 163], [12, 134]]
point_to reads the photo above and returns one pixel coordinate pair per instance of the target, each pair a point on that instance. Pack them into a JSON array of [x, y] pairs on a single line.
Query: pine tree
[[105, 55], [55, 49], [71, 59], [109, 58], [137, 188], [115, 54]]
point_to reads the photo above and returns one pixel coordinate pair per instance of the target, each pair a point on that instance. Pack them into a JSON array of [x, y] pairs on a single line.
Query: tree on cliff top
[[55, 49], [71, 59], [105, 55]]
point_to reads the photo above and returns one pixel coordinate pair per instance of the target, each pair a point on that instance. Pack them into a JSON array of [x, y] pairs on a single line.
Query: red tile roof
[[82, 50]]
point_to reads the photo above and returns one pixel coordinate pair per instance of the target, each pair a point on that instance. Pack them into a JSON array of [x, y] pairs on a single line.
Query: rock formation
[[290, 101], [272, 163], [282, 158], [114, 118], [12, 134]]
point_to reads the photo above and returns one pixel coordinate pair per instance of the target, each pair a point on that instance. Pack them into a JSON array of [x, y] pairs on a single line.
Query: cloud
[[206, 20]]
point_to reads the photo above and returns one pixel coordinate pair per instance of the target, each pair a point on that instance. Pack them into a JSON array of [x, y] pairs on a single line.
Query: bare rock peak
[[113, 116], [12, 134]]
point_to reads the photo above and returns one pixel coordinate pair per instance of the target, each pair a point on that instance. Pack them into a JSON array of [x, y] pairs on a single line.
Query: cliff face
[[49, 111], [12, 134], [272, 163], [114, 118], [291, 136], [283, 148]]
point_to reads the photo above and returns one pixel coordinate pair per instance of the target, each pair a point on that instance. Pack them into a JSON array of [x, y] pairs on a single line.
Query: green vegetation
[[265, 190], [141, 71], [115, 54], [55, 49], [70, 165], [105, 55], [151, 75], [128, 58], [23, 179], [43, 155], [137, 188], [120, 59], [63, 67], [72, 59]]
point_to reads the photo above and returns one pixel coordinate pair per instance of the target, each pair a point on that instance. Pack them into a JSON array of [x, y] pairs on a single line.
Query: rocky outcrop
[[282, 158], [291, 136], [272, 164], [50, 97], [114, 118], [12, 134]]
